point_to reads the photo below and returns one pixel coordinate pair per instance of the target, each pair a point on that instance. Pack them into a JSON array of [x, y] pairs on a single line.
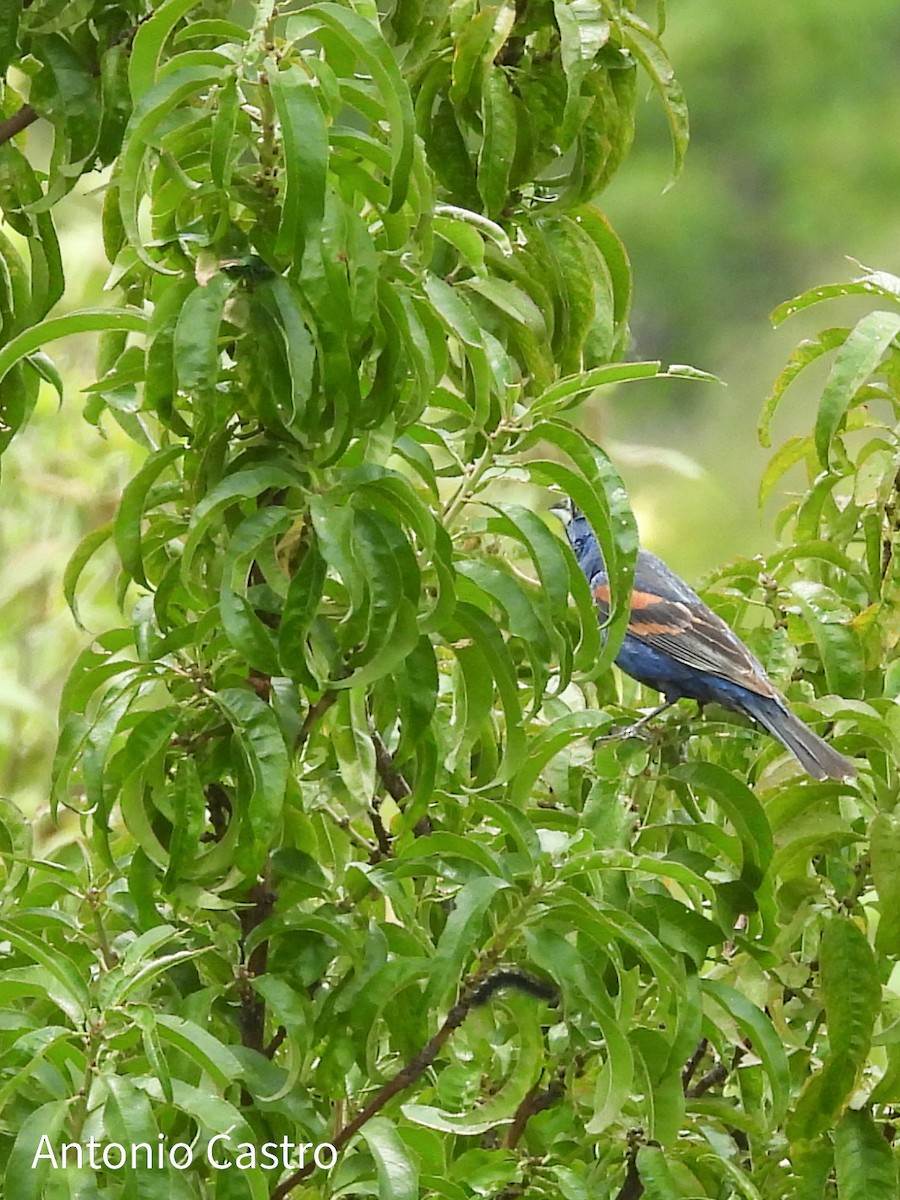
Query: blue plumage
[[677, 645]]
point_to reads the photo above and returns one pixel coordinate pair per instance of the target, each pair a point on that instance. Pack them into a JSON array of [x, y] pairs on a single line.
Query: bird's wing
[[682, 626]]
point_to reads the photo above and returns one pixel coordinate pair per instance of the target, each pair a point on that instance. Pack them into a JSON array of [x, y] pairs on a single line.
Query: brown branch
[[472, 995], [313, 714], [693, 1063], [382, 837], [715, 1075], [21, 119], [261, 899], [273, 1046], [536, 1101], [395, 784], [632, 1188]]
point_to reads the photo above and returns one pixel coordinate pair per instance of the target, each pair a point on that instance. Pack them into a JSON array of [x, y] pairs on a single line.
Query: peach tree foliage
[[346, 863]]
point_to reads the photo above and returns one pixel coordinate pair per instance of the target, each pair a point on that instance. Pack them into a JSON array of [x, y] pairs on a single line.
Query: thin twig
[[313, 714], [715, 1075], [693, 1063]]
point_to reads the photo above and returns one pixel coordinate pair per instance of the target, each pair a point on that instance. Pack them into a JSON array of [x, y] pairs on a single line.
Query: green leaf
[[884, 849], [246, 631], [743, 810], [838, 643], [863, 1161], [498, 147], [461, 936], [481, 629], [196, 346], [127, 523], [367, 43], [189, 811], [9, 29], [67, 990], [854, 362], [213, 1057], [647, 49], [300, 608], [147, 46], [41, 1131], [85, 320], [860, 287], [567, 393], [807, 351], [262, 748], [755, 1025], [240, 486], [655, 1175], [86, 550], [398, 1177], [851, 990], [299, 348], [150, 110], [305, 149]]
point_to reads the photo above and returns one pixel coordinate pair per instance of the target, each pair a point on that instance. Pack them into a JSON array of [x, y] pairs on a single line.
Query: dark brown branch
[[536, 1101], [632, 1188], [261, 902], [715, 1075], [404, 1078], [273, 1046], [395, 785], [20, 120], [693, 1063], [314, 713], [382, 837]]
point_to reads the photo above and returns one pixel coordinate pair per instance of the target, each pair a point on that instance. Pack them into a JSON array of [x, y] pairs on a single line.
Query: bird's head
[[581, 537]]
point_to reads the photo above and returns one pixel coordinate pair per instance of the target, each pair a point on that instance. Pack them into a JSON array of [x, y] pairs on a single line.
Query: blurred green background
[[793, 165]]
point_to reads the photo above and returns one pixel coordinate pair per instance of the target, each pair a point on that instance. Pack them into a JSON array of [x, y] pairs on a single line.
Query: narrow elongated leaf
[[646, 47], [398, 1177], [261, 744], [743, 810], [884, 844], [851, 989], [766, 1042], [460, 937], [863, 1160], [855, 361], [305, 147], [366, 42], [127, 523]]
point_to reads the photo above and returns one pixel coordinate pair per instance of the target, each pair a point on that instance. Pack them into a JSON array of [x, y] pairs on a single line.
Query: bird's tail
[[816, 757]]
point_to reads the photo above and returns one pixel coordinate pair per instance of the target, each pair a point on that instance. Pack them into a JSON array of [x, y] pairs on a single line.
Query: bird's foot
[[628, 731]]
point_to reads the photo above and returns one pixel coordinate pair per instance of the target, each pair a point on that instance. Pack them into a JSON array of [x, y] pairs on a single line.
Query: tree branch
[[314, 713], [536, 1101], [473, 993], [395, 784], [20, 120]]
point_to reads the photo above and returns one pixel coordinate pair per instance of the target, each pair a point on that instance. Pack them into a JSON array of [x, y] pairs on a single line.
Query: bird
[[677, 645]]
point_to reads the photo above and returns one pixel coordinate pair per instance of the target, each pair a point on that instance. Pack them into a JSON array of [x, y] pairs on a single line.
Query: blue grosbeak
[[678, 646]]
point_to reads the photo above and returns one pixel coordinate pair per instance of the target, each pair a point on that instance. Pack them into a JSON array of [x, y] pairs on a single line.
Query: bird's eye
[[578, 545]]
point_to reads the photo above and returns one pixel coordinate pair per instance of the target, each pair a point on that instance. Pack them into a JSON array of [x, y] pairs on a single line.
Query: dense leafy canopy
[[349, 863]]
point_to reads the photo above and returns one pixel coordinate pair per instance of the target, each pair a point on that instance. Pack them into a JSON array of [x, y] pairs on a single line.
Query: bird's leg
[[631, 729]]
